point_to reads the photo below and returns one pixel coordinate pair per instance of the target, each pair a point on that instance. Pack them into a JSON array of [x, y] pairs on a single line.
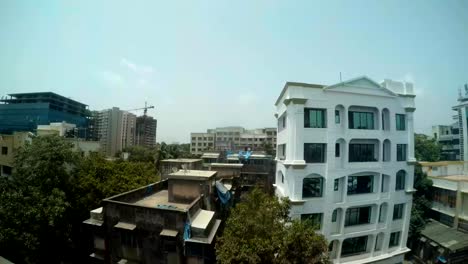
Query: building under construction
[[146, 131]]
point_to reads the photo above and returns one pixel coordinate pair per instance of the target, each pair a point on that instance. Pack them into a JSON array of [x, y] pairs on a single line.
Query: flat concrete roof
[[126, 226], [181, 160], [441, 163], [161, 200], [211, 235], [202, 219], [227, 165], [455, 178], [210, 155], [168, 233], [192, 175], [445, 236]]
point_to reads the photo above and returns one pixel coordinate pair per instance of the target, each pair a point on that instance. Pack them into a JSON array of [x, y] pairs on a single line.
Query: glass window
[[314, 152], [336, 184], [337, 150], [361, 153], [316, 219], [401, 152], [400, 122], [360, 184], [337, 116], [400, 180], [335, 212], [315, 118], [398, 211], [354, 246], [282, 151], [282, 122], [361, 120], [312, 187], [382, 213], [357, 216], [394, 239]]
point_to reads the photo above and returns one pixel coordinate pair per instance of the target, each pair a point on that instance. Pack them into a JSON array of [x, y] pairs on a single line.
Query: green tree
[[260, 231], [268, 148], [34, 204], [421, 203], [141, 154], [426, 149]]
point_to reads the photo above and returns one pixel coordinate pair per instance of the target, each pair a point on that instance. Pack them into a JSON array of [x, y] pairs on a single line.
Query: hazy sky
[[205, 64]]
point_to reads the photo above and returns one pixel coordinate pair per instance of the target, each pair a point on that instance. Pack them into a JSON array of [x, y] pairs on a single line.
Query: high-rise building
[[25, 111], [232, 138], [129, 122], [146, 131], [115, 129], [346, 161]]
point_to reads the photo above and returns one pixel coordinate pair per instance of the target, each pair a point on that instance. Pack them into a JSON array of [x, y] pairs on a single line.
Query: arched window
[[312, 187], [400, 180]]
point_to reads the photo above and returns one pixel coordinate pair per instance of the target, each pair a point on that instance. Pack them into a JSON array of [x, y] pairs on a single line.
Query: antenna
[[459, 93], [341, 80]]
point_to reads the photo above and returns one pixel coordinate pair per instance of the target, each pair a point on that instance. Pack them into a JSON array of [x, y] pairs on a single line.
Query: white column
[[295, 146], [410, 129]]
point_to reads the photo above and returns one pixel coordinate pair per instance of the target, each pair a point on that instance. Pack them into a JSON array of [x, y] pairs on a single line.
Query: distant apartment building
[[345, 159], [25, 111], [449, 139], [128, 128], [146, 127], [171, 221], [70, 133], [232, 139], [454, 138], [117, 129], [446, 238], [9, 144]]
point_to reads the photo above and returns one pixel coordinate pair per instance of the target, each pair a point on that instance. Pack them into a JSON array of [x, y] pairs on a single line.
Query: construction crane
[[143, 108]]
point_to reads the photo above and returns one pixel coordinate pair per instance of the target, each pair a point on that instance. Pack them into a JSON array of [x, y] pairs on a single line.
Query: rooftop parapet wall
[[402, 88], [137, 194]]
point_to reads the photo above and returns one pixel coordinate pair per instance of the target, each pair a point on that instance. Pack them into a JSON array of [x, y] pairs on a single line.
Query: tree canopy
[[50, 193], [426, 149], [259, 230]]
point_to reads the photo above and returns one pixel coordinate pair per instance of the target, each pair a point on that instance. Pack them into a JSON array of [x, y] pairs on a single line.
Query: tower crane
[[143, 108]]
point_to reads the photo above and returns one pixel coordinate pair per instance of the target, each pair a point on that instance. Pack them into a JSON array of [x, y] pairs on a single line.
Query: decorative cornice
[[295, 101], [407, 95], [410, 109]]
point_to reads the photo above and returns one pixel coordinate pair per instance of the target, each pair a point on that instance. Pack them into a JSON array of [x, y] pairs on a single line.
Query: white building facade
[[345, 159]]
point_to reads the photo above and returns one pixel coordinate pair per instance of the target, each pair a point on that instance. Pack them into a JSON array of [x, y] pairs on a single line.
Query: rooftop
[[445, 236], [192, 175], [210, 155], [456, 178], [181, 160], [226, 165], [441, 163], [40, 95], [161, 200]]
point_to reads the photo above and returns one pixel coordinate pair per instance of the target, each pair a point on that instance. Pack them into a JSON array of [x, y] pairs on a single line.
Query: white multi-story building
[[232, 138], [346, 161]]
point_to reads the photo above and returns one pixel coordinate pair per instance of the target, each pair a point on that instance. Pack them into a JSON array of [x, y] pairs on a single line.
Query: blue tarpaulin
[[223, 193], [187, 231]]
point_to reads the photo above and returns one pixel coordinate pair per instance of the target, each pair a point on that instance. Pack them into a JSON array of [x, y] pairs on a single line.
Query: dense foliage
[[50, 193], [426, 149], [260, 231]]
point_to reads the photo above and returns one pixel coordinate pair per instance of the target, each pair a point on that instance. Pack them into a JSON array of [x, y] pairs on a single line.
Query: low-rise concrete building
[[450, 192], [169, 166], [9, 144], [166, 222]]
